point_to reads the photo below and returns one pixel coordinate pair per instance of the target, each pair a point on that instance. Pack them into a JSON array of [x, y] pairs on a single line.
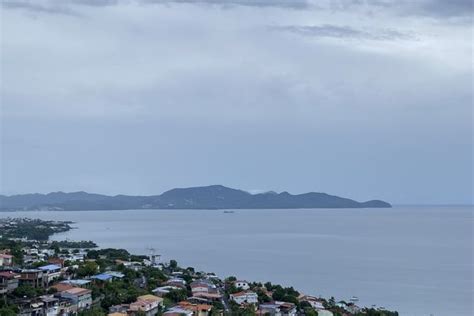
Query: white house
[[201, 286], [247, 297], [6, 260], [51, 271], [80, 296], [244, 285], [148, 304]]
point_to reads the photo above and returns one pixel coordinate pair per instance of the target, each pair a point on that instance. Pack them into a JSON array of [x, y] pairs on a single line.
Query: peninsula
[[207, 197]]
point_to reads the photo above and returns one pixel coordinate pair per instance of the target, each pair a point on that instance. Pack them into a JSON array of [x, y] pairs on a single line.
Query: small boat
[[228, 212]]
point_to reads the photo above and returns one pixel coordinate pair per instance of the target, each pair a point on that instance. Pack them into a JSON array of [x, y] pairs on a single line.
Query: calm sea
[[417, 260]]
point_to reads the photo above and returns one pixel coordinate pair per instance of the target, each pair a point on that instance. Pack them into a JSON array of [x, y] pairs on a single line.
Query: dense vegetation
[[32, 229]]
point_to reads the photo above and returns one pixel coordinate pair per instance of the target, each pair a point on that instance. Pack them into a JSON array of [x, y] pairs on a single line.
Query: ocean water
[[417, 260]]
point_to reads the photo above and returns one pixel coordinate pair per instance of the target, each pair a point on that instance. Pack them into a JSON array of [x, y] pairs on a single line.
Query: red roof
[[9, 274]]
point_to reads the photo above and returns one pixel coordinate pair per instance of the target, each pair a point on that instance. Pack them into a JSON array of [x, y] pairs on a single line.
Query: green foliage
[[262, 296], [308, 311], [118, 292], [173, 264], [268, 286], [236, 309], [288, 294], [34, 229], [87, 269], [177, 295], [26, 291], [93, 312], [52, 290], [15, 249], [375, 312], [217, 305], [73, 244], [109, 253], [9, 311], [231, 289], [38, 264]]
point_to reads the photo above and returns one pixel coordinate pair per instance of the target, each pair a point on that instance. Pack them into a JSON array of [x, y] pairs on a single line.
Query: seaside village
[[46, 278]]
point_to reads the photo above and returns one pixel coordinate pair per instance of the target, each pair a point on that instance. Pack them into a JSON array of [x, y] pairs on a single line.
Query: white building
[[244, 285], [81, 297], [147, 304], [6, 260], [247, 297], [51, 272]]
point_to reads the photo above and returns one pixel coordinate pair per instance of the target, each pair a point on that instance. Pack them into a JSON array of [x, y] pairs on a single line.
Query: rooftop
[[78, 291], [9, 274], [50, 267]]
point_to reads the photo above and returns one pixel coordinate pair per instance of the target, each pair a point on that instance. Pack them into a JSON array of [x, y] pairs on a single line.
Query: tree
[[87, 269], [176, 295], [8, 311], [173, 264], [308, 311], [52, 290], [25, 291]]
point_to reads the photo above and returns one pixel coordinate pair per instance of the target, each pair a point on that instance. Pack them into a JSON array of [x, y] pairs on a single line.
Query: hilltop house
[[51, 272], [244, 285], [196, 309], [270, 309], [245, 297], [148, 304], [178, 282], [315, 302], [287, 309], [81, 297], [32, 277], [163, 290]]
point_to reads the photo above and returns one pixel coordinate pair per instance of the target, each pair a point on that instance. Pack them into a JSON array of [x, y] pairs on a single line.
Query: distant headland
[[206, 197]]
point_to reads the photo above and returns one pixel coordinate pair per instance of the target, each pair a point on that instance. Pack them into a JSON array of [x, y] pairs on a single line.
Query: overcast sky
[[364, 99]]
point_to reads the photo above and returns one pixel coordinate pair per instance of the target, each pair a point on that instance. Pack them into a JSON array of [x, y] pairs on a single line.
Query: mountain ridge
[[204, 197]]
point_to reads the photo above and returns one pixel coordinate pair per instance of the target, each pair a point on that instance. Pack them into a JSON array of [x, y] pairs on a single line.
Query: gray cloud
[[329, 30], [64, 6], [142, 98], [37, 7], [292, 4], [432, 8], [447, 7]]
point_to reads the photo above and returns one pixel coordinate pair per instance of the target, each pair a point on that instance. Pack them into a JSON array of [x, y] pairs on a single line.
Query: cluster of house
[[275, 308], [67, 299], [68, 296], [40, 252]]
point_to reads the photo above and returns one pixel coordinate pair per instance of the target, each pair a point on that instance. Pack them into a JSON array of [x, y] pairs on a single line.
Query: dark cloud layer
[[433, 8], [37, 7], [328, 30]]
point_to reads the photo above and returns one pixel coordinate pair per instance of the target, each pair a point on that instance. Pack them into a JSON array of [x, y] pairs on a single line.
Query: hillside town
[[40, 277]]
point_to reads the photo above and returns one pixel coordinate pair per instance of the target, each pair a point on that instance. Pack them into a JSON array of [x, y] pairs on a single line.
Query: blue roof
[[102, 277], [76, 282], [115, 274], [50, 267]]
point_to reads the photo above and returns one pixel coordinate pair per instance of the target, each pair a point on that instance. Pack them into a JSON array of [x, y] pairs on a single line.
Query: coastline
[[226, 288]]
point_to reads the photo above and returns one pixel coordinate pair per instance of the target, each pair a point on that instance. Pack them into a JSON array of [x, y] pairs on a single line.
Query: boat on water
[[228, 212]]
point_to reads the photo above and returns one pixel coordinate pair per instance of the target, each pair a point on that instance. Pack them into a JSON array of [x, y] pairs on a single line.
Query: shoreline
[[163, 266]]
